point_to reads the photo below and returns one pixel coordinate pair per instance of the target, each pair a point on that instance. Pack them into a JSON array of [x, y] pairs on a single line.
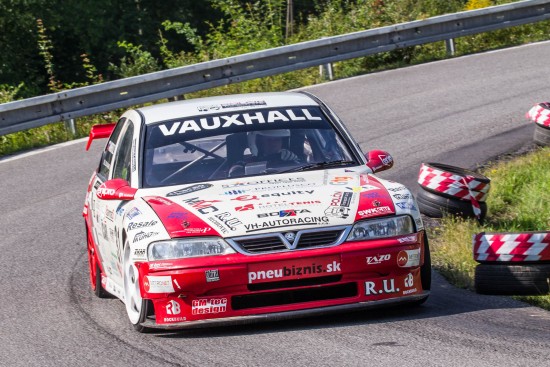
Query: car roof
[[228, 103]]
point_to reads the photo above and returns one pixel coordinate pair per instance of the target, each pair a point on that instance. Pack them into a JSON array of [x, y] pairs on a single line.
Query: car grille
[[291, 240], [267, 299]]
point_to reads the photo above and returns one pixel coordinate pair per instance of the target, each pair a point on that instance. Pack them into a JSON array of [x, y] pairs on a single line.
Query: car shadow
[[444, 300]]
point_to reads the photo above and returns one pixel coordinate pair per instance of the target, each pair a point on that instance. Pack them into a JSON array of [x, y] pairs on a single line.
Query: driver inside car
[[268, 150]]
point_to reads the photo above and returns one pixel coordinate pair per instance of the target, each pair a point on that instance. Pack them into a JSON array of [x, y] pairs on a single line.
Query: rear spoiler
[[99, 132]]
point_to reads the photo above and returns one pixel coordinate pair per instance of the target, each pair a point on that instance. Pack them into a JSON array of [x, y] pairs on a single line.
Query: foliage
[[128, 31], [135, 62], [519, 201]]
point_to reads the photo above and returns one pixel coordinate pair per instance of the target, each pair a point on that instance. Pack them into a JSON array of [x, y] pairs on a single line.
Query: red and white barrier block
[[540, 114], [455, 182], [511, 247]]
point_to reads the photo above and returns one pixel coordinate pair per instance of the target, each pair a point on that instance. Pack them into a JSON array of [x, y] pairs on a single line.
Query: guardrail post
[[450, 45], [70, 126], [325, 71]]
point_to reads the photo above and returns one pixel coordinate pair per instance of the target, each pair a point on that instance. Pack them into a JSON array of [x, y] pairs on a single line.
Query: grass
[[519, 200]]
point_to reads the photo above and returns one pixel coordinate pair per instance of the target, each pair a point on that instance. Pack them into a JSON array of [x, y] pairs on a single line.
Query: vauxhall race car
[[189, 222]]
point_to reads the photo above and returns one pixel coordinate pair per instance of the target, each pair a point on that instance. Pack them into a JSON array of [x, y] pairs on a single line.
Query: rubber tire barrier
[[435, 205], [456, 171], [541, 135], [521, 280]]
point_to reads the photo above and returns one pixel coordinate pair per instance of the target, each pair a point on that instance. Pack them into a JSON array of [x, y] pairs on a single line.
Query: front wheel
[[136, 307]]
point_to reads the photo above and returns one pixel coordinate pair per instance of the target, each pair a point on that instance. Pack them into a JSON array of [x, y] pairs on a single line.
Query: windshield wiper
[[312, 166]]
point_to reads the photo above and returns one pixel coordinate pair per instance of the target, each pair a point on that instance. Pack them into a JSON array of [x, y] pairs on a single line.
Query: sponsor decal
[[339, 205], [197, 230], [229, 220], [244, 208], [408, 258], [133, 153], [283, 213], [246, 198], [132, 213], [397, 188], [174, 319], [120, 211], [234, 192], [409, 283], [143, 235], [227, 121], [274, 204], [158, 284], [110, 214], [378, 259], [371, 195], [159, 200], [140, 254], [362, 188], [340, 180], [407, 205], [231, 105], [177, 215], [293, 269], [202, 206], [138, 225], [102, 191], [162, 265], [388, 287], [372, 212], [97, 184], [212, 275], [386, 159], [208, 305], [337, 211], [290, 180], [402, 196], [189, 189], [172, 308], [253, 227], [411, 238]]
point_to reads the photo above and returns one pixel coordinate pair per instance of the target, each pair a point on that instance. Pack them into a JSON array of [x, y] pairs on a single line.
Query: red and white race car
[[243, 207]]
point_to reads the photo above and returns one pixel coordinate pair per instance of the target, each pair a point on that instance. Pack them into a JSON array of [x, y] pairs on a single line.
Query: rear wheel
[[136, 307], [95, 271]]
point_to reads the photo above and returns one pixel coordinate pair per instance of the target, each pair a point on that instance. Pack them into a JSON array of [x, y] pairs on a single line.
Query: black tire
[[426, 269], [99, 291], [434, 206], [147, 311], [510, 280], [542, 135]]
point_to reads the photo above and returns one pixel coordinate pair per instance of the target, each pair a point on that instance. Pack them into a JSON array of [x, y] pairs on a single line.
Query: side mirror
[[379, 160], [115, 189]]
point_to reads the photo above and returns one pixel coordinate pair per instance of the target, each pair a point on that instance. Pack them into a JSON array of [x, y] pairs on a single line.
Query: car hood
[[263, 204]]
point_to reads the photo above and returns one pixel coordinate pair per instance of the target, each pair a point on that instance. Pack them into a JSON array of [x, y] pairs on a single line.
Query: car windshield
[[236, 144]]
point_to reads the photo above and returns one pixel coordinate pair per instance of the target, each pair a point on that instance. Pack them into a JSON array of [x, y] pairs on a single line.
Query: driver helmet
[[252, 136]]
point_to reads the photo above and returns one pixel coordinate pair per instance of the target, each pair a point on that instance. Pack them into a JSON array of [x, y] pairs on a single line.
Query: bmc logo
[[283, 213]]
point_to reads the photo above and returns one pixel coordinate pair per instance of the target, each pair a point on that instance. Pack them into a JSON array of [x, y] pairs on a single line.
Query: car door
[[115, 163]]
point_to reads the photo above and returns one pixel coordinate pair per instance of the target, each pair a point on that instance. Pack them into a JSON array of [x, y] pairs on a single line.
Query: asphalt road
[[463, 111]]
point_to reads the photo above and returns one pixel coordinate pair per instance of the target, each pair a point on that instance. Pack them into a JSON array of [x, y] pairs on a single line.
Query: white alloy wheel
[[132, 294]]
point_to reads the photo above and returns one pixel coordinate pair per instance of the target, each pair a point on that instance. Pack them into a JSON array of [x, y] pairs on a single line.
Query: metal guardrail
[[66, 105]]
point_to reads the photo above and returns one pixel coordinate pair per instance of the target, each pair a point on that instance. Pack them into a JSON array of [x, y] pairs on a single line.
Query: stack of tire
[[540, 115], [452, 190], [512, 263]]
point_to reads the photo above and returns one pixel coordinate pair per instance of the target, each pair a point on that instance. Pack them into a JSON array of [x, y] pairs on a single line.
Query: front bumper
[[238, 288], [281, 316]]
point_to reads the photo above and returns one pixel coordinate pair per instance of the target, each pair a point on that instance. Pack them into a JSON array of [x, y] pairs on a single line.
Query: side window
[[122, 159], [107, 156]]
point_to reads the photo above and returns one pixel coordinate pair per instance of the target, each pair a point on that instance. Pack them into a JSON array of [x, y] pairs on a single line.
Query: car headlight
[[380, 228], [188, 247]]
